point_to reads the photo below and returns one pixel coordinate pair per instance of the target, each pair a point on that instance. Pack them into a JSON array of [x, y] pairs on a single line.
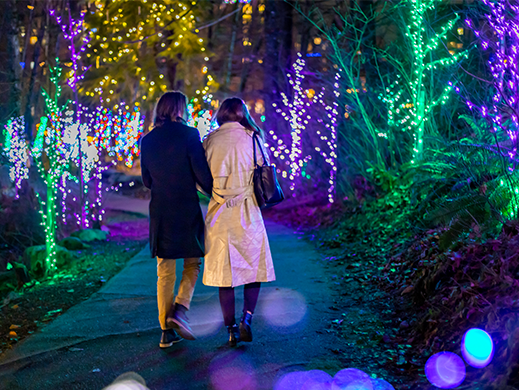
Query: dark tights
[[250, 295]]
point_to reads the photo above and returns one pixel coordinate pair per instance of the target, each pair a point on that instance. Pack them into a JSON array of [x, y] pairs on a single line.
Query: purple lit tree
[[313, 128], [495, 118], [502, 39], [74, 33]]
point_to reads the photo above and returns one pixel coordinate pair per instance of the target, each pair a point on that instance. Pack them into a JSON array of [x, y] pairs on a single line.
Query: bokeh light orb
[[477, 348], [304, 380], [445, 370], [206, 319], [292, 381], [381, 384], [351, 379], [283, 308], [232, 378], [232, 370], [317, 380]]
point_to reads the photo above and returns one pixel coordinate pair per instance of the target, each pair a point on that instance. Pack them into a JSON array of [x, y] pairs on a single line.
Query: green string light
[[409, 105]]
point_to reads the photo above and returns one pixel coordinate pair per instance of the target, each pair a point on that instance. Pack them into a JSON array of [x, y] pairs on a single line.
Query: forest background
[[391, 123]]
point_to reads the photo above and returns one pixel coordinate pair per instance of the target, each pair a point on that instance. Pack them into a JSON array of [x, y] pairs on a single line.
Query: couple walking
[[233, 239]]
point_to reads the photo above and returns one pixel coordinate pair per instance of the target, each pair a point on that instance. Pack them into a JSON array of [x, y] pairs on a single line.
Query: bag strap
[[254, 142], [254, 148]]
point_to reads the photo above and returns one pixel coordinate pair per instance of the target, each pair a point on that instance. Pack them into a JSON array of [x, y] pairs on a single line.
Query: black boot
[[245, 327], [234, 335], [168, 338]]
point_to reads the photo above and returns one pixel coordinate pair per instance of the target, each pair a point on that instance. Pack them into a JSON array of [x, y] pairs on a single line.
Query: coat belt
[[232, 196]]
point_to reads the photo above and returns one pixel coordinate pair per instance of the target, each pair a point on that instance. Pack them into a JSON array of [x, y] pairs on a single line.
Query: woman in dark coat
[[173, 162]]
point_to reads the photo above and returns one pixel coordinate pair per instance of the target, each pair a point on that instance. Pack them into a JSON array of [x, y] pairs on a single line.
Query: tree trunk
[[270, 63], [13, 50], [228, 73], [252, 54], [28, 33], [306, 29], [278, 46], [246, 69], [30, 90], [50, 224], [285, 26], [172, 64]]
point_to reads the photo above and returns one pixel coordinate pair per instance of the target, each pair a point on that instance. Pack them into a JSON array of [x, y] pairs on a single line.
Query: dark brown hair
[[171, 107], [235, 110]]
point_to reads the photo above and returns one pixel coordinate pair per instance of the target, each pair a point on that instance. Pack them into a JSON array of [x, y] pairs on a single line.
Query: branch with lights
[[503, 41], [132, 44], [17, 152], [501, 114], [293, 156], [409, 104], [51, 156]]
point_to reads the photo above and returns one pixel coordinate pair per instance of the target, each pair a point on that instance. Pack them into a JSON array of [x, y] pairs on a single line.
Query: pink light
[[445, 370], [351, 379], [283, 308]]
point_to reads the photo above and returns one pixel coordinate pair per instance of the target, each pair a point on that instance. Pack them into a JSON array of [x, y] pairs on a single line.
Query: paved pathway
[[116, 331]]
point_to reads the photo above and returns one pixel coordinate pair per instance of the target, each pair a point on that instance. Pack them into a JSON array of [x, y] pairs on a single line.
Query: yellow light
[[317, 41]]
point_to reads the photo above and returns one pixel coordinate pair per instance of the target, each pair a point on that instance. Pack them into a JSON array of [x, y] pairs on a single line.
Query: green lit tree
[[51, 156], [139, 49], [412, 96]]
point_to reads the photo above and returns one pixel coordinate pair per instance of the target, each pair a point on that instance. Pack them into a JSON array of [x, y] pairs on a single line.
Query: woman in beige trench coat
[[237, 246]]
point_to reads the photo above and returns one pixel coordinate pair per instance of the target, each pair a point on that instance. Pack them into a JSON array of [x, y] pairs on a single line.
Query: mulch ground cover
[[473, 285], [400, 299], [25, 310]]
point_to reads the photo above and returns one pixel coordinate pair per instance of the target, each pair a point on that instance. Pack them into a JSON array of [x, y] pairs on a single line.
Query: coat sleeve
[[145, 173], [198, 162]]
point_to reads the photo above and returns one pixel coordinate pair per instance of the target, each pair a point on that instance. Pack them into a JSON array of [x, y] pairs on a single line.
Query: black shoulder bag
[[267, 190]]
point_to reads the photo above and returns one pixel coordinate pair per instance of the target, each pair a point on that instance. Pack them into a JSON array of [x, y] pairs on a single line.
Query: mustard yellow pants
[[166, 277]]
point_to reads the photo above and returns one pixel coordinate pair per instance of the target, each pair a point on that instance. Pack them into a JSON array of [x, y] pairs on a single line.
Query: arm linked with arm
[[199, 165], [145, 173]]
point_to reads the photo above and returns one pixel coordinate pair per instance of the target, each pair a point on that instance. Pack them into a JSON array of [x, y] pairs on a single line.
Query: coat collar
[[232, 126]]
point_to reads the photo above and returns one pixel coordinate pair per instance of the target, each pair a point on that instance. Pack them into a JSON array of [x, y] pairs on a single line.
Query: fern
[[465, 187]]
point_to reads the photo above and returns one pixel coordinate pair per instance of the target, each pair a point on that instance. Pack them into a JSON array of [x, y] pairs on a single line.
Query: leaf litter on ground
[[405, 299]]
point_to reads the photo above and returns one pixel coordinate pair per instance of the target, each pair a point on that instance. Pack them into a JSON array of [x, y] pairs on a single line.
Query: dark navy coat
[[172, 163]]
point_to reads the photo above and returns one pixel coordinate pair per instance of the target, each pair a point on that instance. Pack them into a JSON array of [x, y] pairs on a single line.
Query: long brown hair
[[171, 107], [235, 110]]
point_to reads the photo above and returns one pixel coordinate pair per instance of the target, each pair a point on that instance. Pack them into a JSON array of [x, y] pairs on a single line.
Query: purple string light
[[503, 111], [71, 30]]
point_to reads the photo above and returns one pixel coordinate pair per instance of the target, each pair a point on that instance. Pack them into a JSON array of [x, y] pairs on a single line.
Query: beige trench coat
[[236, 242]]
